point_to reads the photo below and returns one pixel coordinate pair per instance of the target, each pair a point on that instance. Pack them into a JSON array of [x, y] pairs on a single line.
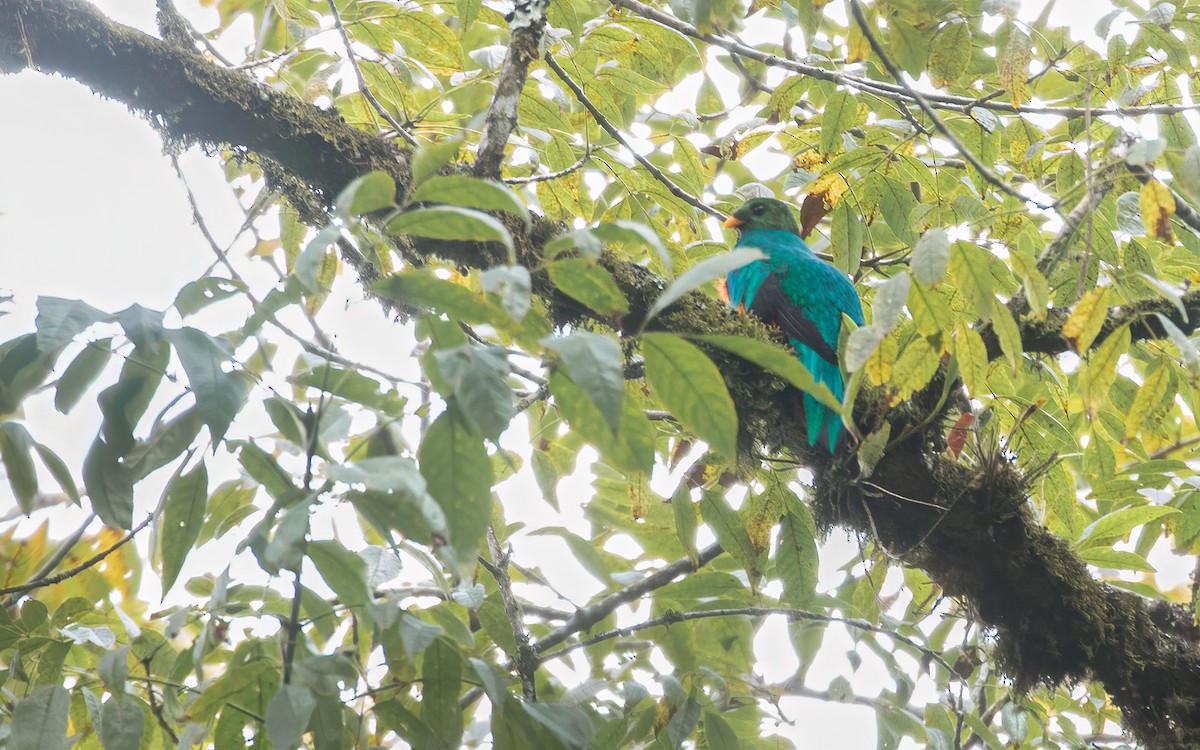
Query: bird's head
[[763, 213]]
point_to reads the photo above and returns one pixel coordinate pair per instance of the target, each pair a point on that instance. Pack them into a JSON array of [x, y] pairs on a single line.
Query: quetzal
[[805, 296]]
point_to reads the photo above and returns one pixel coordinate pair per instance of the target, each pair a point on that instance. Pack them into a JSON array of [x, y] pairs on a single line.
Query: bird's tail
[[824, 425]]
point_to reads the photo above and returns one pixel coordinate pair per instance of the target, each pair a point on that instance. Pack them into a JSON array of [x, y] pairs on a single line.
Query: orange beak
[[733, 222]]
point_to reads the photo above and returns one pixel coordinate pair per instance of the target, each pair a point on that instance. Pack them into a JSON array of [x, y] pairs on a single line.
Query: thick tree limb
[[969, 528], [187, 97]]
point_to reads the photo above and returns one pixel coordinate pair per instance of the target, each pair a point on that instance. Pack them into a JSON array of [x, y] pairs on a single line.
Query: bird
[[795, 290]]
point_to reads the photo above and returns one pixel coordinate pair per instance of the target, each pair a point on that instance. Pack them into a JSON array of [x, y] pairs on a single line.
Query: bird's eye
[[758, 210]]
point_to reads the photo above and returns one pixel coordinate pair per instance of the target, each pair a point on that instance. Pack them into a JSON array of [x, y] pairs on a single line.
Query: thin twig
[[408, 137], [608, 127], [15, 592], [1056, 249], [317, 349], [527, 661], [590, 615], [988, 174], [884, 88], [587, 154], [672, 618]]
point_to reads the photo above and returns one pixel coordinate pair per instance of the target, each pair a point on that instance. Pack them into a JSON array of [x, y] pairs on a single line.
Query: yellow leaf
[[1007, 331], [916, 366], [1083, 325], [950, 53], [1097, 377], [1013, 64], [1149, 397], [972, 359], [639, 495], [858, 48], [1158, 206], [879, 365]]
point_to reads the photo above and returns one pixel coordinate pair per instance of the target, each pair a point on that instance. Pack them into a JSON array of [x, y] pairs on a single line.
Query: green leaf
[[731, 532], [570, 725], [477, 374], [1149, 398], [633, 233], [1116, 525], [81, 373], [590, 284], [265, 470], [896, 203], [686, 521], [796, 554], [707, 270], [287, 545], [16, 452], [40, 720], [861, 345], [288, 715], [451, 223], [471, 192], [846, 237], [431, 157], [971, 275], [61, 320], [594, 362], [776, 360], [950, 53], [109, 484], [717, 732], [424, 290], [1006, 330], [458, 472], [890, 297], [371, 192], [514, 287], [307, 268], [344, 571], [1106, 557], [197, 295], [841, 114], [690, 387], [58, 469], [931, 256], [219, 394], [1100, 371], [416, 635], [441, 679], [114, 670], [183, 515], [631, 449], [972, 359], [122, 723]]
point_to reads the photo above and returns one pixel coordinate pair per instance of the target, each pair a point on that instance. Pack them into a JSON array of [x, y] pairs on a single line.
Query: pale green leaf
[[690, 387]]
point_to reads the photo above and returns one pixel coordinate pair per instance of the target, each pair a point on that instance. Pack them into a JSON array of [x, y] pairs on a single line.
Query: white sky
[[90, 208]]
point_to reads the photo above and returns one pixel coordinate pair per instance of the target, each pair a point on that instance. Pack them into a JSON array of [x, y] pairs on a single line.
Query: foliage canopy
[[534, 198]]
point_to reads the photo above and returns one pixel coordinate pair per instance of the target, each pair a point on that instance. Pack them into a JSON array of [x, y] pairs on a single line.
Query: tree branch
[[608, 127], [588, 616], [927, 108], [527, 24], [672, 617], [363, 88], [884, 88], [526, 660]]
